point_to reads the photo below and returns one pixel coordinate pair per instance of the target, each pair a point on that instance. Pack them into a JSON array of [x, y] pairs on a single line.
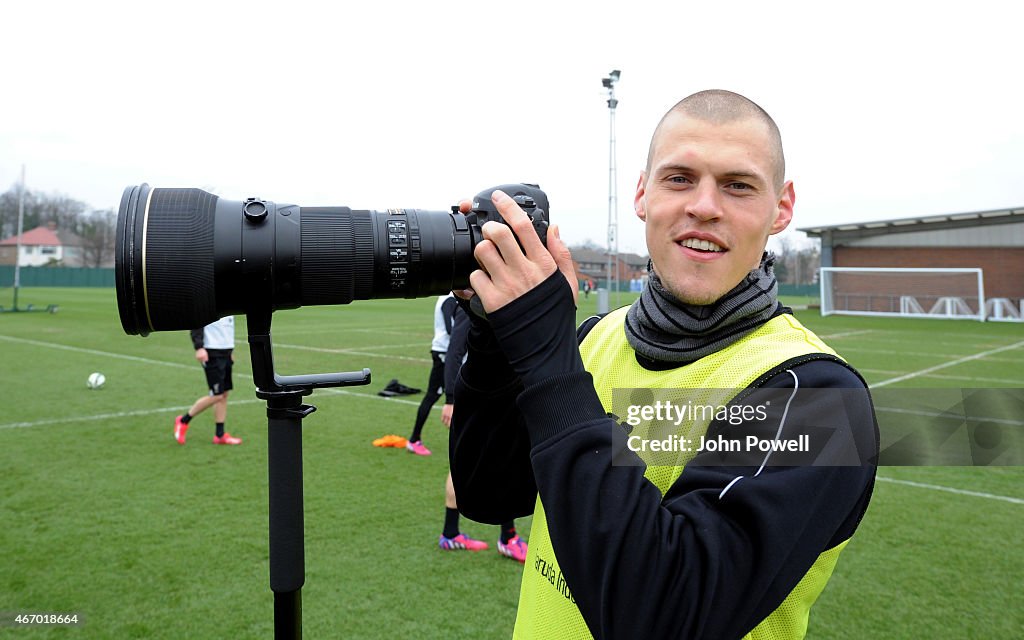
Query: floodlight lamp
[[615, 75]]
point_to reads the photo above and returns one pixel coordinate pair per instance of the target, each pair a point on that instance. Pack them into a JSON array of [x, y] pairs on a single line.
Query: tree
[[39, 209], [97, 231], [808, 262], [9, 212], [781, 270], [797, 262]]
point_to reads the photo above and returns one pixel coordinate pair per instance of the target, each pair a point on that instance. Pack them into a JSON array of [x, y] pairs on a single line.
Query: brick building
[[592, 264], [992, 241]]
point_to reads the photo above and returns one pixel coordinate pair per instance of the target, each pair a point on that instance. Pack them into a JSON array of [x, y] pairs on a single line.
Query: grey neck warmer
[[661, 328]]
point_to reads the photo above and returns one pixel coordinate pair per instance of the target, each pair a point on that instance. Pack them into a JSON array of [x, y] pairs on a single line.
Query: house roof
[[36, 237], [44, 236]]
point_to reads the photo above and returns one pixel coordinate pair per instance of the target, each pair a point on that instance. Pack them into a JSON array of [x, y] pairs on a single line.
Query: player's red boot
[[180, 429], [227, 438]]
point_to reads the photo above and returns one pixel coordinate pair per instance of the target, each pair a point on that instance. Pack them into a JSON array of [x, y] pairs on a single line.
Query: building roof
[[921, 223], [601, 255], [589, 255], [634, 259], [44, 236]]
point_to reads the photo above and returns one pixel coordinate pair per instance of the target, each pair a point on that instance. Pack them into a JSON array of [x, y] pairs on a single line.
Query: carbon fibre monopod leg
[[285, 412]]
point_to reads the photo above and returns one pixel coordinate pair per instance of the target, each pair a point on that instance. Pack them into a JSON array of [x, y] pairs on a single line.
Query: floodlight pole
[[285, 412], [613, 241], [17, 250]]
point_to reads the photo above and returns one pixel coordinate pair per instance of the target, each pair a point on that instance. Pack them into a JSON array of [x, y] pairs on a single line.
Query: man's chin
[[694, 295], [700, 301], [693, 289]]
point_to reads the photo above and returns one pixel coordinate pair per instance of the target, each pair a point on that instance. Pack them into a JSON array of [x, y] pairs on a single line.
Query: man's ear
[[639, 206], [784, 208]]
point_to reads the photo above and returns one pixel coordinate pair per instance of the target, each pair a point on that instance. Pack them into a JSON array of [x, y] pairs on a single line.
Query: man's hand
[[506, 271], [202, 356], [446, 415]]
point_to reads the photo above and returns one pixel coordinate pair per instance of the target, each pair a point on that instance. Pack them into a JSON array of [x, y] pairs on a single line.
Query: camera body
[[530, 199], [185, 257]]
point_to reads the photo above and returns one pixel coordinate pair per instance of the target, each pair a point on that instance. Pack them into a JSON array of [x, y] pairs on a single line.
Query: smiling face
[[710, 197]]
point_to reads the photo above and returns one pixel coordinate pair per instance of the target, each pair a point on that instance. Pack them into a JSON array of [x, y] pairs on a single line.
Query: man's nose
[[706, 203]]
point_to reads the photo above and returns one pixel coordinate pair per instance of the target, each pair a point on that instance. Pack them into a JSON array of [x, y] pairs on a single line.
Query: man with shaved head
[[695, 462], [719, 107]]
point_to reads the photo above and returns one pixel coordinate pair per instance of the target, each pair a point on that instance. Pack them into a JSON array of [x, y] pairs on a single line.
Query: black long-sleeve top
[[690, 563], [457, 347]]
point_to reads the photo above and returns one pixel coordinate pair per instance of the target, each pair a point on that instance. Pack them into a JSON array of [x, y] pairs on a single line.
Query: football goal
[[910, 293]]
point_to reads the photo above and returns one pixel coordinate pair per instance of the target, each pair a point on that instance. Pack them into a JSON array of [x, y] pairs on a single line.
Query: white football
[[95, 380]]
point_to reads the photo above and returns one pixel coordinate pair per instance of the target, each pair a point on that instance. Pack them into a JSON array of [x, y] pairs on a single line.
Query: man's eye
[[739, 186], [679, 179]]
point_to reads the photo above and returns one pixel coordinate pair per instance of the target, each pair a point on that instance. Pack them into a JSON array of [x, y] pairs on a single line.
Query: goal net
[[912, 293]]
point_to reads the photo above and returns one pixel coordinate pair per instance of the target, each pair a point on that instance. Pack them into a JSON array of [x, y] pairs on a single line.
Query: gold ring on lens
[[145, 229]]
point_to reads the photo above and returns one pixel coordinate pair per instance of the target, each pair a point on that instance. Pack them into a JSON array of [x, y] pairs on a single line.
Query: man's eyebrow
[[666, 169], [744, 175], [729, 175]]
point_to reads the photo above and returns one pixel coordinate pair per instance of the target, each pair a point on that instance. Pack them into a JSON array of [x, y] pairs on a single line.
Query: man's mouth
[[701, 245]]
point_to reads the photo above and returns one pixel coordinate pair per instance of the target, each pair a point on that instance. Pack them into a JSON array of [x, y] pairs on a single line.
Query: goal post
[[954, 293]]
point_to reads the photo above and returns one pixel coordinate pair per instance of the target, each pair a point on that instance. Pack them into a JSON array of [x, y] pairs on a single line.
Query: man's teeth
[[702, 245]]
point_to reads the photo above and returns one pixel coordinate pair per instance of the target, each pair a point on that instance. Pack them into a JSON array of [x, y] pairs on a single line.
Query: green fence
[[624, 285], [809, 290], [57, 277]]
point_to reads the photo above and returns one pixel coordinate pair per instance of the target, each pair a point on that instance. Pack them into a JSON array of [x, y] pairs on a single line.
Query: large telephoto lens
[[185, 257]]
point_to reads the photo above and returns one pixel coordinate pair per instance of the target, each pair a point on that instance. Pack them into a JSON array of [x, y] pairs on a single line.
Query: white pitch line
[[948, 416], [847, 334], [374, 396], [397, 330], [103, 416], [963, 492], [958, 336], [350, 352], [939, 376], [856, 348], [95, 352], [937, 367], [290, 332], [147, 412], [121, 356], [142, 412], [409, 345], [902, 340]]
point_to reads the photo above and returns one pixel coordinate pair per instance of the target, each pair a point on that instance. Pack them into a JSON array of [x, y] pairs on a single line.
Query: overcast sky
[[887, 109]]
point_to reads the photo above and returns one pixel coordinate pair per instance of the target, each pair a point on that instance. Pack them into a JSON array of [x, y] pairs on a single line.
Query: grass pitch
[[106, 516]]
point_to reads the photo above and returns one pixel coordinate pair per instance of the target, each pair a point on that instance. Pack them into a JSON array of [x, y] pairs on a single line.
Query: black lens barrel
[[128, 269], [179, 256], [164, 257], [337, 255], [185, 257]]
